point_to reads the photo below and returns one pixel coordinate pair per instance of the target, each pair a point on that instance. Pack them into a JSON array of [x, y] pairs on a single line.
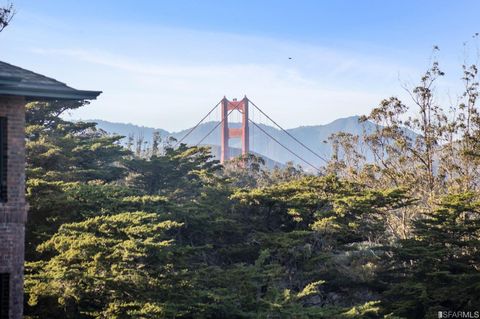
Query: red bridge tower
[[227, 133]]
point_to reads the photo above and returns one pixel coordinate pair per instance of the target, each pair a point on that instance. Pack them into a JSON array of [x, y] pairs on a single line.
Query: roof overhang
[[15, 81], [45, 94]]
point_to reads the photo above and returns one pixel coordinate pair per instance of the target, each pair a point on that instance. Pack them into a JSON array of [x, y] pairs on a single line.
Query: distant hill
[[126, 129], [315, 137]]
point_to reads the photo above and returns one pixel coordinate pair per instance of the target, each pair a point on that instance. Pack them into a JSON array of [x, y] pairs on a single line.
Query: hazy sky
[[166, 63]]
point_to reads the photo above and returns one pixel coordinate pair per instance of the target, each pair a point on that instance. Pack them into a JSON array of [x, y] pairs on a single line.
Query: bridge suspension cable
[[288, 133], [285, 147], [200, 122]]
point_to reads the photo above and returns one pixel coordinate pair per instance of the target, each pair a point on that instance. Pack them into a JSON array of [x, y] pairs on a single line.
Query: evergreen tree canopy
[[438, 269]]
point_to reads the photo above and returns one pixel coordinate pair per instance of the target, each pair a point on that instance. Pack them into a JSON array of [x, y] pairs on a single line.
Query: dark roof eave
[[45, 94]]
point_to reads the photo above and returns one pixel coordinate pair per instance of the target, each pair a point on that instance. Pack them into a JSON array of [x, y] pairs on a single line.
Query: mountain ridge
[[314, 136]]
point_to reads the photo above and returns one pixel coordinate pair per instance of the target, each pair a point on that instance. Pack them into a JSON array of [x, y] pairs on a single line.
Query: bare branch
[[6, 15]]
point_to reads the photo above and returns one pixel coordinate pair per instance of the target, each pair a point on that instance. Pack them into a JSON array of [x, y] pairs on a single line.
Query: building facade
[[18, 87]]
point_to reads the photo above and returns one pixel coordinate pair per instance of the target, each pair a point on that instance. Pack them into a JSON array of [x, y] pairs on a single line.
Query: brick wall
[[13, 212]]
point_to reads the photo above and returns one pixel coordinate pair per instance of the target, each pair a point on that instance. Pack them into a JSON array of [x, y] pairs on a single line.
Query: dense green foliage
[[437, 269], [172, 234]]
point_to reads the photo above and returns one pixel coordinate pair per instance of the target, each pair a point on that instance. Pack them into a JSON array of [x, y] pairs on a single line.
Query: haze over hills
[[315, 137]]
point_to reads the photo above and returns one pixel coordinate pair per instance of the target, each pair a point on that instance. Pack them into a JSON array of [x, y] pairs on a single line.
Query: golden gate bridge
[[243, 132]]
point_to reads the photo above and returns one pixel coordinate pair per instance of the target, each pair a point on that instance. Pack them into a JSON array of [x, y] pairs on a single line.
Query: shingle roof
[[20, 82]]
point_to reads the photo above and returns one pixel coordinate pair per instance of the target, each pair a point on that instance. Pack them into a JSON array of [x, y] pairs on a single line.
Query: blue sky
[[166, 63]]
